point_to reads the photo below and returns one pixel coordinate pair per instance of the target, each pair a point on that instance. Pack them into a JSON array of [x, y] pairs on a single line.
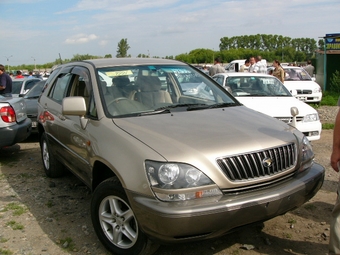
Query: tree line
[[270, 47]]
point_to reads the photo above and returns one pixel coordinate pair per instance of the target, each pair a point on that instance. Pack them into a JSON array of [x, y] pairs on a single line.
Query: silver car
[[165, 165], [14, 124]]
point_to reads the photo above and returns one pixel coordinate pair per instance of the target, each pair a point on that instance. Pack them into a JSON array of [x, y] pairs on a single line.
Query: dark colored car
[[23, 85], [31, 100]]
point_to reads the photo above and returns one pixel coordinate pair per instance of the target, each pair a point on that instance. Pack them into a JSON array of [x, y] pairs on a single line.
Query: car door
[[51, 108], [73, 137]]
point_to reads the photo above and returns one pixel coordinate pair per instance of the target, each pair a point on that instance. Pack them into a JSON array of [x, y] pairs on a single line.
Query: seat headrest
[[149, 83], [120, 81]]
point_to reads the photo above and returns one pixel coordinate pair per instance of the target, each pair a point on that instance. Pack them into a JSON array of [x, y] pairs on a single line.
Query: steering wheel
[[116, 100]]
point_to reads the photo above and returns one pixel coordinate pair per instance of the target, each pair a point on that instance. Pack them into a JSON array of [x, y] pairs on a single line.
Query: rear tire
[[53, 168], [115, 223]]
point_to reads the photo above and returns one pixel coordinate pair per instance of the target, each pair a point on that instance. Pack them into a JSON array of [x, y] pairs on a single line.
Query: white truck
[[235, 65]]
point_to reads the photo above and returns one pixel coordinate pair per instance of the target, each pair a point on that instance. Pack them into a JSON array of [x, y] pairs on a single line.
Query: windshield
[[36, 90], [296, 74], [139, 90], [16, 86], [241, 86]]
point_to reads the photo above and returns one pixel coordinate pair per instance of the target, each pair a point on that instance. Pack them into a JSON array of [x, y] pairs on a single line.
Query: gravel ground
[[42, 216]]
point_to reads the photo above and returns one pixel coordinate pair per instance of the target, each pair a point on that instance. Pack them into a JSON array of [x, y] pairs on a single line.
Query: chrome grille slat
[[248, 166]]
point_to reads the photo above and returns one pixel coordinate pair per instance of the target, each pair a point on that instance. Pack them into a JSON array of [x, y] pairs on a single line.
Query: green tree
[[108, 56], [122, 48]]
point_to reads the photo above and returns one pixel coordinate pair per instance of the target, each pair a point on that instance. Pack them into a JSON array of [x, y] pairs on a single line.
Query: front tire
[[114, 221], [53, 168]]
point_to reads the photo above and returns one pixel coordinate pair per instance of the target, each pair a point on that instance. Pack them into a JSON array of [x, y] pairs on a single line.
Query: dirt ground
[[45, 216]]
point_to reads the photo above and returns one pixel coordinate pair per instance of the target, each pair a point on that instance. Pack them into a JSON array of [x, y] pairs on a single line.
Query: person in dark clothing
[[5, 83]]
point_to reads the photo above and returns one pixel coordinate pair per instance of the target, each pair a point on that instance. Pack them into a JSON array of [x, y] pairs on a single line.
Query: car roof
[[245, 74], [104, 62]]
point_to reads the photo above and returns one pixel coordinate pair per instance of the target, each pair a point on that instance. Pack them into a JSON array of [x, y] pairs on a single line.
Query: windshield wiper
[[178, 105], [157, 111], [219, 105]]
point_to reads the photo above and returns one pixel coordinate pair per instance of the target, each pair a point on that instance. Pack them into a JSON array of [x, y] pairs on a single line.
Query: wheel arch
[[100, 173]]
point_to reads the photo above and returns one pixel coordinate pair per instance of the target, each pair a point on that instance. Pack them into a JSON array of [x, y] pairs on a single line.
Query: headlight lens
[[178, 182], [307, 154], [311, 117], [317, 90]]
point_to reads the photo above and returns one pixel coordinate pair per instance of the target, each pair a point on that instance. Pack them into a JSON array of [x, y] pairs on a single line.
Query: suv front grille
[[259, 164]]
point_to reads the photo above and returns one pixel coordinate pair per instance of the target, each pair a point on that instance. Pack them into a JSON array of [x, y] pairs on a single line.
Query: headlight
[[177, 182], [317, 90], [311, 117], [307, 154]]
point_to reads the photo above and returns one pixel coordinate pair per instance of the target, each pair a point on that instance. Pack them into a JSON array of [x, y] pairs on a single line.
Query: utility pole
[[35, 67], [8, 62]]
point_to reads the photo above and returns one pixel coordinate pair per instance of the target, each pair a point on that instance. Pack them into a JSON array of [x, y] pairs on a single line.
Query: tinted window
[[58, 91], [16, 87]]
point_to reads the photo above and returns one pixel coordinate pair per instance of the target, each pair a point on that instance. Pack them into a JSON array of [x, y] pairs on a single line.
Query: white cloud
[[80, 39]]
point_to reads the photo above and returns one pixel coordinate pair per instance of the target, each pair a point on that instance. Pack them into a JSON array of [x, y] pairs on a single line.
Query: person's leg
[[334, 240]]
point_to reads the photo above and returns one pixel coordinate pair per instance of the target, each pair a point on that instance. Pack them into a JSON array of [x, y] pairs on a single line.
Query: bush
[[335, 82], [330, 98]]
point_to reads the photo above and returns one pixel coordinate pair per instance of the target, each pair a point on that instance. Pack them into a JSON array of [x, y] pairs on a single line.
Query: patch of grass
[[49, 204], [17, 209], [310, 207], [291, 221], [5, 252], [287, 235], [328, 126], [67, 244], [3, 240], [235, 252], [25, 175], [329, 98], [14, 225]]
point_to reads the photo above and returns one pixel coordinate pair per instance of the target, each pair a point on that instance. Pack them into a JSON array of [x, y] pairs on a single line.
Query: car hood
[[279, 106], [207, 133], [300, 85]]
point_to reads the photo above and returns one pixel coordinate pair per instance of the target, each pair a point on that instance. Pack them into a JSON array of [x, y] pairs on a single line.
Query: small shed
[[328, 60]]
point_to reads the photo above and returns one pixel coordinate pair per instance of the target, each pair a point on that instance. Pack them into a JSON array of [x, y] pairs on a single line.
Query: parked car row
[[179, 150]]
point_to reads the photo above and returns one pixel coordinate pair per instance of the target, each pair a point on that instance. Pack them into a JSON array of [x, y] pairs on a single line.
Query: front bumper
[[310, 98], [207, 218], [312, 130], [16, 133]]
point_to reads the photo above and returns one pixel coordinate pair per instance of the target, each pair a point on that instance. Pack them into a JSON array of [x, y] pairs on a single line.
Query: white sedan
[[301, 85], [265, 93]]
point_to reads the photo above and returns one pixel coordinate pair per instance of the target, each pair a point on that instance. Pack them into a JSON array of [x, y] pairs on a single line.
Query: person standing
[[278, 72], [217, 67], [260, 67], [19, 75], [252, 65], [5, 83], [334, 239], [245, 66], [309, 68]]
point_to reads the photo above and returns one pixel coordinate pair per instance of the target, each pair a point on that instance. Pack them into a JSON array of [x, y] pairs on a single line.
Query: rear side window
[[59, 89]]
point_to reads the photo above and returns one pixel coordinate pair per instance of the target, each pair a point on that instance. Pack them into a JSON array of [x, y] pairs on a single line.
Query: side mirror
[[75, 106], [294, 111]]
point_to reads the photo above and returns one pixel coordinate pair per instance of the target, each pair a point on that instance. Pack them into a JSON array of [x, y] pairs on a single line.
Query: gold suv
[[169, 154]]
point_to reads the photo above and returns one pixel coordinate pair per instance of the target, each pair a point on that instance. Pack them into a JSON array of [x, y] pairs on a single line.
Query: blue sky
[[43, 29]]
